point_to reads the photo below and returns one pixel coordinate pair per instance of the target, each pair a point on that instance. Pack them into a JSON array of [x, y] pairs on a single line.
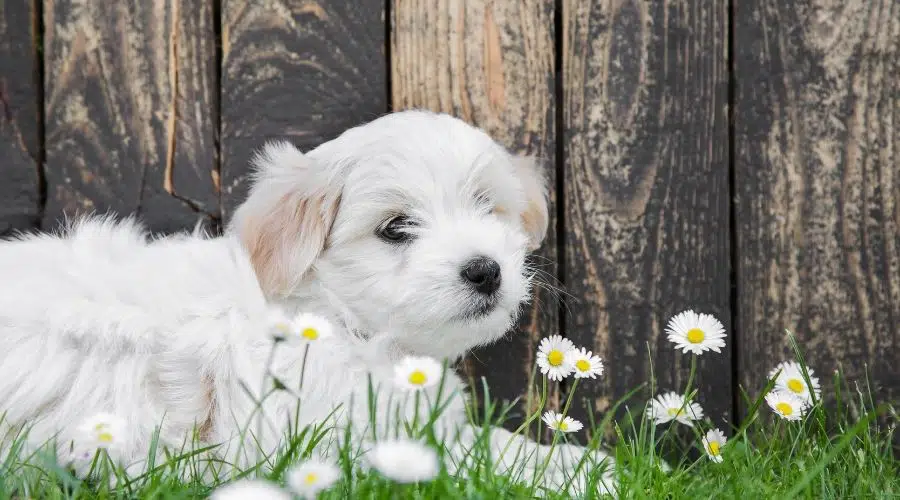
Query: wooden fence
[[741, 158]]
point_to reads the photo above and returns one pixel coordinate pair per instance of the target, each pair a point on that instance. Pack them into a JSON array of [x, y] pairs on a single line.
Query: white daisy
[[671, 406], [404, 461], [585, 364], [102, 430], [417, 372], [696, 333], [791, 380], [280, 326], [560, 422], [304, 327], [250, 489], [786, 405], [554, 357], [309, 478], [311, 327], [713, 442]]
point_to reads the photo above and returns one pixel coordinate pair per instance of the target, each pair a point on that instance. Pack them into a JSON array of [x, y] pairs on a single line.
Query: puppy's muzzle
[[482, 274]]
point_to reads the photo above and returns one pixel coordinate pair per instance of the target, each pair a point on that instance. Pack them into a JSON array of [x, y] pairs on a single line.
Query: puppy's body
[[173, 332]]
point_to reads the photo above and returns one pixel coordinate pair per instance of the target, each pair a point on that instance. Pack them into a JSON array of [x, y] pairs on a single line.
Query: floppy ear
[[534, 217], [285, 221]]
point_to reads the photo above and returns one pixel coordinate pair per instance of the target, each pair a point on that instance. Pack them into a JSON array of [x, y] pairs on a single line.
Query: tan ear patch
[[284, 242], [285, 221], [535, 221], [535, 217]]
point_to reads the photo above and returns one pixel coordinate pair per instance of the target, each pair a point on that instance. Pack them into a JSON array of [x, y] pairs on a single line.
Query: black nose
[[483, 273]]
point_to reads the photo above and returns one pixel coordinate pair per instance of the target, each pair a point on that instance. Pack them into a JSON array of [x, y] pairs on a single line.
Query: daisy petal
[[554, 357], [672, 406], [786, 405], [310, 478], [713, 442], [696, 333], [585, 364], [404, 461], [561, 423], [414, 373], [790, 379]]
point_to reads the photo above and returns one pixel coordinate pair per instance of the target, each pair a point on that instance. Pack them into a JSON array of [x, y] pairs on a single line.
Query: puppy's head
[[417, 223]]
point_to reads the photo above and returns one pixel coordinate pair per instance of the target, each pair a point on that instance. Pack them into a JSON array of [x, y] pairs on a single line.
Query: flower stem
[[557, 433], [303, 366], [537, 412], [685, 397], [569, 398], [527, 421], [263, 391], [416, 413], [687, 388]]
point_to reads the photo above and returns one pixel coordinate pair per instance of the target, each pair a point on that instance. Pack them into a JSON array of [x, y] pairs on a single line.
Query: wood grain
[[19, 118], [646, 190], [303, 71], [817, 146], [131, 111], [490, 63]]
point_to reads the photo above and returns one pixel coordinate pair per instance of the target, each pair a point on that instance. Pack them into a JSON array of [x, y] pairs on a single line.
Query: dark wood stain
[[19, 119], [817, 108], [301, 71], [130, 112], [646, 192]]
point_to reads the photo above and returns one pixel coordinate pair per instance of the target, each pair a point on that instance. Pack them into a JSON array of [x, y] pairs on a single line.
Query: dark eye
[[396, 230]]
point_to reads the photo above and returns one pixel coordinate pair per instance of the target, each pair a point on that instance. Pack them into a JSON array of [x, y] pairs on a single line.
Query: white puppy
[[408, 233]]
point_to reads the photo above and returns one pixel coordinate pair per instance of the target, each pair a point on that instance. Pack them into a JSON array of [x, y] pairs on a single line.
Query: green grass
[[841, 449]]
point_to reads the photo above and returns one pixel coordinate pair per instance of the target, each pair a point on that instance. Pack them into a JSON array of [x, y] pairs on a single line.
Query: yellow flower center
[[695, 335], [675, 412], [417, 377], [555, 357], [714, 448], [105, 437], [795, 385], [583, 365], [562, 425], [311, 478], [310, 333], [99, 427], [784, 408], [283, 327]]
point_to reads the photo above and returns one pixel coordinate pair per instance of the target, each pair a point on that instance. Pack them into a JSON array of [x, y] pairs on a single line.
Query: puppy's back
[[83, 312]]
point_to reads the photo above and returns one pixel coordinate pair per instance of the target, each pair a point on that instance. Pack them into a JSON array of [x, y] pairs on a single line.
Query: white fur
[[172, 331]]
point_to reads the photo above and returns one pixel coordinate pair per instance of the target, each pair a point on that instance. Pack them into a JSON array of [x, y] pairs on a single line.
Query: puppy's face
[[417, 224]]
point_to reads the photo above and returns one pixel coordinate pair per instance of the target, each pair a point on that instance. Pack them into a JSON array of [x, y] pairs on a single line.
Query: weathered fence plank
[[130, 110], [646, 189], [491, 64], [19, 131], [817, 145], [303, 71]]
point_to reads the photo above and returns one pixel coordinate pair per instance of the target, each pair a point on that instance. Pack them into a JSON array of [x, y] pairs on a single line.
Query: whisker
[[538, 276], [472, 354], [551, 276], [535, 256], [546, 285]]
